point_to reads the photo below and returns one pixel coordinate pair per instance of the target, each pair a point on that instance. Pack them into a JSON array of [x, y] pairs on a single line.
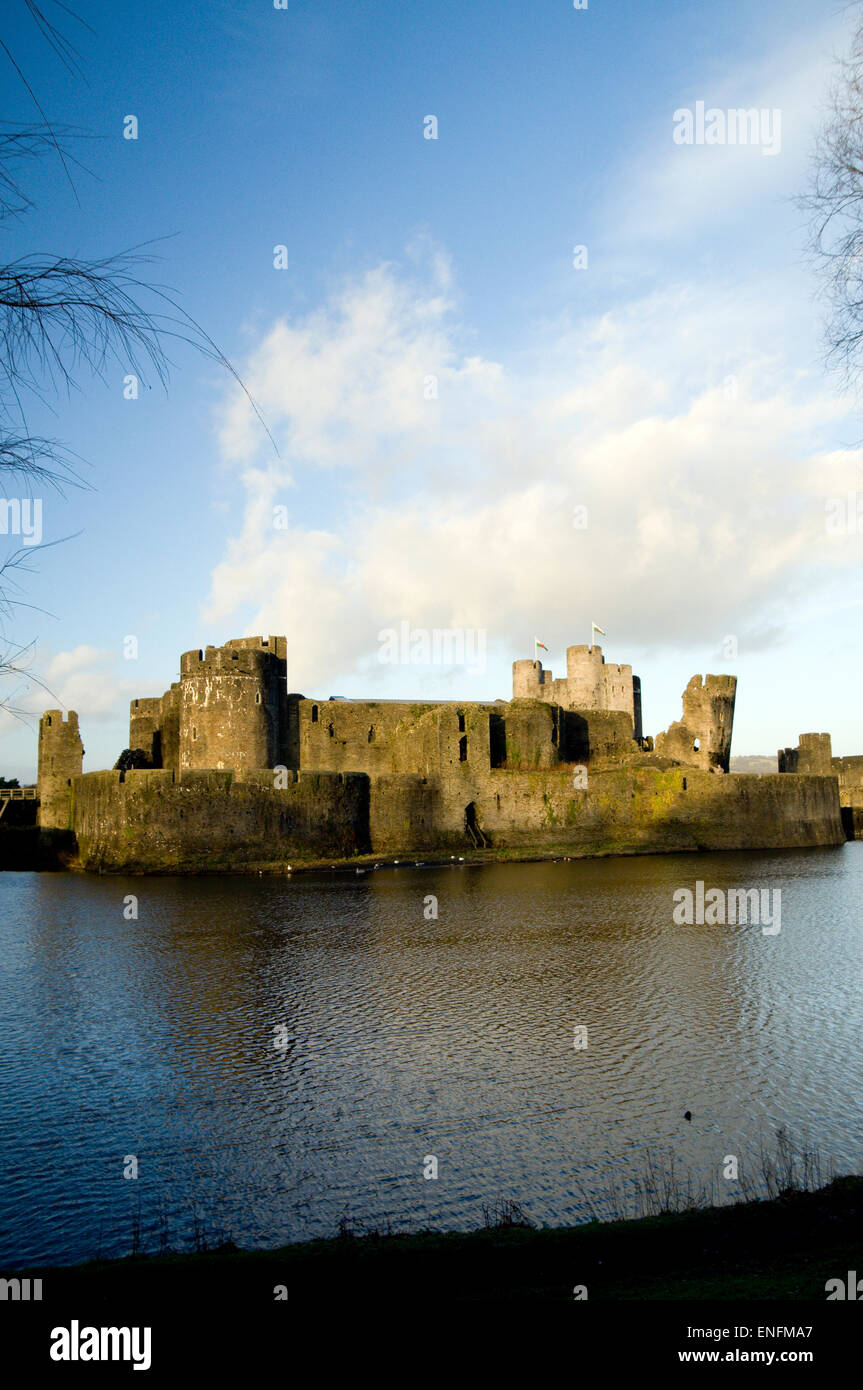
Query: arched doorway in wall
[[472, 827]]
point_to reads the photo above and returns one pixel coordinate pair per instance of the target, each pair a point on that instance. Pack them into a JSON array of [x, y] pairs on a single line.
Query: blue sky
[[673, 386]]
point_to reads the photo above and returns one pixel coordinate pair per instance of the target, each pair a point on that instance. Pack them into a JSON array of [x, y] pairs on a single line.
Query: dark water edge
[[27, 849], [30, 849], [407, 1037], [789, 1247]]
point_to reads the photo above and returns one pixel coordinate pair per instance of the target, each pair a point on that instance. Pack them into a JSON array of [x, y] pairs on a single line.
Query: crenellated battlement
[[55, 719], [250, 656]]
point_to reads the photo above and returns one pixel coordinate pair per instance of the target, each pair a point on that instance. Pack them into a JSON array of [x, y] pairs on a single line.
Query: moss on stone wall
[[213, 820]]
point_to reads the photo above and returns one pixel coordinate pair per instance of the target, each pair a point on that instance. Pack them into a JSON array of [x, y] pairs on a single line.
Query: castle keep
[[229, 709], [228, 769]]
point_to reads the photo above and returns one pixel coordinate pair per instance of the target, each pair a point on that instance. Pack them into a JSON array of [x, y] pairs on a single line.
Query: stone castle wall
[[146, 821], [169, 729], [400, 737], [849, 771], [211, 821]]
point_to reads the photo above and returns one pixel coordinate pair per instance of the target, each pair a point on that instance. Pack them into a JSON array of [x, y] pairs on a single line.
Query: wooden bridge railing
[[8, 794]]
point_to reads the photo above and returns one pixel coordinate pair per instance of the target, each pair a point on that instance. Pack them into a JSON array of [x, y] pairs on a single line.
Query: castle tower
[[593, 683], [585, 678], [702, 738], [61, 757], [814, 754], [233, 705], [589, 684], [528, 680], [144, 729]]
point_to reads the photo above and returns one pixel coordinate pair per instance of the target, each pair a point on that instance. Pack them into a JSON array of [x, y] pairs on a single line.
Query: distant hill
[[755, 762]]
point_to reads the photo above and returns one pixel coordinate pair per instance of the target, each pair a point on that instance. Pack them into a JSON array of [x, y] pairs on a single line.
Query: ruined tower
[[61, 757]]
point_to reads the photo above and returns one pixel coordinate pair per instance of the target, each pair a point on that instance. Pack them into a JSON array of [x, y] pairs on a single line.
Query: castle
[[228, 769], [814, 755]]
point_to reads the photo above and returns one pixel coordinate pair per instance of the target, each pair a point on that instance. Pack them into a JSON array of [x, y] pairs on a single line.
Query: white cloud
[[82, 679], [337, 383], [689, 420], [706, 514], [76, 660], [674, 192]]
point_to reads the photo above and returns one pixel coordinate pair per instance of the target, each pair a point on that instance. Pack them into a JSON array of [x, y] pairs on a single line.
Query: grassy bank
[[783, 1248]]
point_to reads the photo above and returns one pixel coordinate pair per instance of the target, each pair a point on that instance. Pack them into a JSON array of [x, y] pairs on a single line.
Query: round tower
[[585, 678], [528, 679], [233, 705]]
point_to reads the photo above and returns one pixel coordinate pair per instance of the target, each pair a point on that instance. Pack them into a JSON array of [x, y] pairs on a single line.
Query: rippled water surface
[[407, 1037]]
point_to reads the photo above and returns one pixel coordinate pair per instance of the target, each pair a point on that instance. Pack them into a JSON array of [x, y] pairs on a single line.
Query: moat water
[[406, 1037]]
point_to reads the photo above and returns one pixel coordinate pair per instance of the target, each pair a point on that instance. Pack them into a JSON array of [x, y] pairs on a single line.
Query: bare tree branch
[[38, 460], [58, 315], [21, 142], [62, 317], [14, 662], [834, 202]]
